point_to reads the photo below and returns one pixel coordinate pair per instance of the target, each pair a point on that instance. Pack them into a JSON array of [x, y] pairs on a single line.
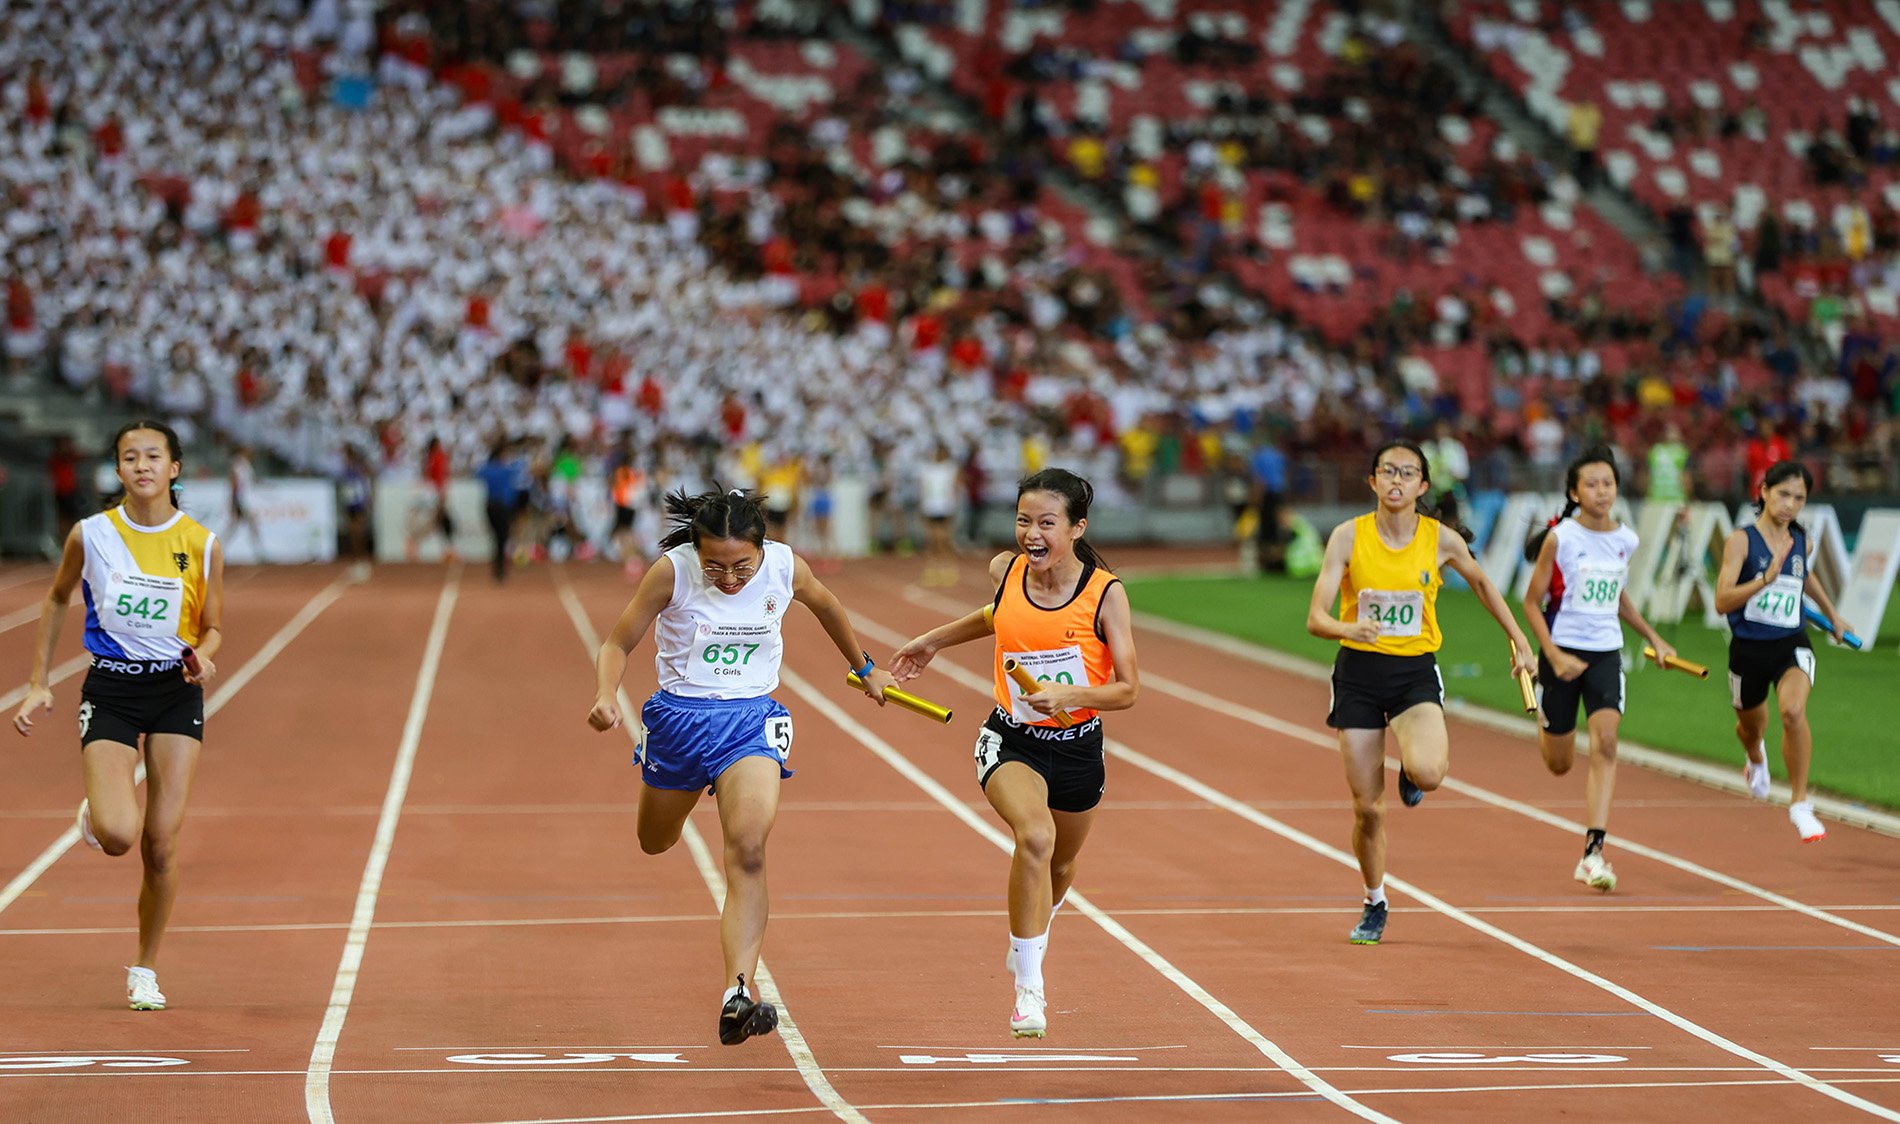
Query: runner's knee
[[1036, 842]]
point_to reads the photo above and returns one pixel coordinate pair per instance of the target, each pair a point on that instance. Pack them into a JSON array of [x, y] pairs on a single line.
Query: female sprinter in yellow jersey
[[1064, 618], [153, 583], [1384, 569]]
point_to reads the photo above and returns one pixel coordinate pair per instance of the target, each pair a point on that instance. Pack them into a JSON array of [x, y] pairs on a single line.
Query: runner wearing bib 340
[[716, 601], [1765, 574], [1383, 568], [153, 583], [1576, 605], [1062, 618]]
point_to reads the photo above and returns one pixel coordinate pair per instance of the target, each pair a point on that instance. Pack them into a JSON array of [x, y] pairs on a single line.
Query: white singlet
[[1586, 586], [714, 645]]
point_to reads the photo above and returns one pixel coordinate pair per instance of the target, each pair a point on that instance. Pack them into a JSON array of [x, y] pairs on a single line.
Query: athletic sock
[[1028, 952], [1375, 895], [1593, 840], [730, 992]]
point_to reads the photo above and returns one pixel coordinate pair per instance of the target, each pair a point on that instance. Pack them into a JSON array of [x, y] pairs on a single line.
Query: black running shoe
[[1371, 925], [741, 1018], [1410, 793]]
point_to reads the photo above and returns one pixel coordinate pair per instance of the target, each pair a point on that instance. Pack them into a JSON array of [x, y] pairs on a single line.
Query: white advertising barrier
[[404, 521], [1876, 565], [291, 519]]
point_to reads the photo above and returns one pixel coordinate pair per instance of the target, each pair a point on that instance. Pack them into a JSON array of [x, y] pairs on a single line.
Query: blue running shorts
[[690, 742]]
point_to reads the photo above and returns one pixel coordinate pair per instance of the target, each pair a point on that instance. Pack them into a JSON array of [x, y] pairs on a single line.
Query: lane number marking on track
[[974, 1058], [1456, 1058], [81, 1061], [564, 1059]]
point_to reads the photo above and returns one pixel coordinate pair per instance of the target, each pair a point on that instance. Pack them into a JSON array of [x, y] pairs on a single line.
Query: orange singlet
[[1062, 645]]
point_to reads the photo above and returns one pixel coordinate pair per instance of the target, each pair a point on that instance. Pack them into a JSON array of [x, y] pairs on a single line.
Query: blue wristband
[[869, 663]]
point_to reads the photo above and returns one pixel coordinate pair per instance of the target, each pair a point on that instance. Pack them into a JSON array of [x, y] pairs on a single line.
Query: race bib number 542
[[142, 605]]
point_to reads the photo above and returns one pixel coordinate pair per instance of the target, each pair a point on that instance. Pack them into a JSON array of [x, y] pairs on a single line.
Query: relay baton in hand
[[1029, 685], [190, 659], [1815, 618], [1524, 687], [906, 700], [1675, 664]]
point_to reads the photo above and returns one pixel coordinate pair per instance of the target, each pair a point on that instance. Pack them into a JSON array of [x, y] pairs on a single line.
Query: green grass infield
[[1854, 711]]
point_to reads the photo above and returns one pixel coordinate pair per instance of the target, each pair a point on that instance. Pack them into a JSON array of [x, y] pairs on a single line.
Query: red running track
[[412, 893]]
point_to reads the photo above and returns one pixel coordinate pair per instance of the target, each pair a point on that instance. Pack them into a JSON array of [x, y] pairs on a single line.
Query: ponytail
[[1447, 519], [734, 514]]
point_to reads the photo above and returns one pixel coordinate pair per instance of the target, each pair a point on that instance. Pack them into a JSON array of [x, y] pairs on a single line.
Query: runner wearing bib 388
[[716, 600], [1063, 618], [1765, 573], [1576, 605], [153, 583], [1384, 569]]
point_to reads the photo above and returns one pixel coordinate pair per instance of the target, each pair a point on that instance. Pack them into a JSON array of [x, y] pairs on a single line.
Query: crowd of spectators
[[275, 224]]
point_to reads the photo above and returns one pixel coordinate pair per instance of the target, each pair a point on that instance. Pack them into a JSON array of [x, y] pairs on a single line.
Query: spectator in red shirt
[[1764, 449], [62, 471]]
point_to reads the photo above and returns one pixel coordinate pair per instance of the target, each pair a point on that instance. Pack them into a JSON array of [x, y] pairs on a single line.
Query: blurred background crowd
[[1203, 252]]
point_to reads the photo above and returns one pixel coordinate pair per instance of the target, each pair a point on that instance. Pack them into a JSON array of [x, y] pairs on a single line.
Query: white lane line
[[26, 575], [1247, 812], [1265, 721], [54, 678], [316, 1088], [709, 872], [15, 619], [1081, 903], [1285, 831], [270, 651], [1171, 1098]]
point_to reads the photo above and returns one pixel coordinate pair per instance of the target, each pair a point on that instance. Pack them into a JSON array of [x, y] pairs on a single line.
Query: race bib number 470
[[1778, 606]]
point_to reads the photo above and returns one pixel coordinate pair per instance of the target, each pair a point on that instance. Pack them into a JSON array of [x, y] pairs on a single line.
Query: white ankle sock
[[1028, 952], [1375, 895], [727, 997]]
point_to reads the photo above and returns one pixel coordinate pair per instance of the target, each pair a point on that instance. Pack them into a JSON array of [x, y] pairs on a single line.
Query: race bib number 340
[[1396, 612]]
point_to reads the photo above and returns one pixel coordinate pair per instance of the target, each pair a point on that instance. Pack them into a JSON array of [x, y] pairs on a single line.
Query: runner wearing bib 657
[[716, 600], [1575, 605], [1061, 616], [1765, 572], [1384, 569], [153, 583]]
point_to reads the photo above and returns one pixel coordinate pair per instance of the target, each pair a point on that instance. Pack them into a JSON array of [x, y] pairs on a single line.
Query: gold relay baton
[[905, 699], [1028, 683], [1525, 689], [1674, 664]]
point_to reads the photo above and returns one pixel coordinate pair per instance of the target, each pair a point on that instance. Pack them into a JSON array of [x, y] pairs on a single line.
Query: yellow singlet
[[1397, 588]]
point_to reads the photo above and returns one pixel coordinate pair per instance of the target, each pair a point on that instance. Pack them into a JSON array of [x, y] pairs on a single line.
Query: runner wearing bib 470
[[716, 601], [1765, 574], [152, 581], [1064, 619], [1383, 568], [1576, 605]]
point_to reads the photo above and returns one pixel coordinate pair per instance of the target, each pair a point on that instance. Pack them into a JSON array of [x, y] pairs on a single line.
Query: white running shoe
[[85, 825], [1595, 871], [1757, 778], [141, 990], [1805, 822], [1029, 1019]]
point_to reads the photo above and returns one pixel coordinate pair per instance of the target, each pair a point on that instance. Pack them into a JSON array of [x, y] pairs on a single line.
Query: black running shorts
[[123, 699], [1600, 687], [1070, 761], [1369, 688], [1756, 665]]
